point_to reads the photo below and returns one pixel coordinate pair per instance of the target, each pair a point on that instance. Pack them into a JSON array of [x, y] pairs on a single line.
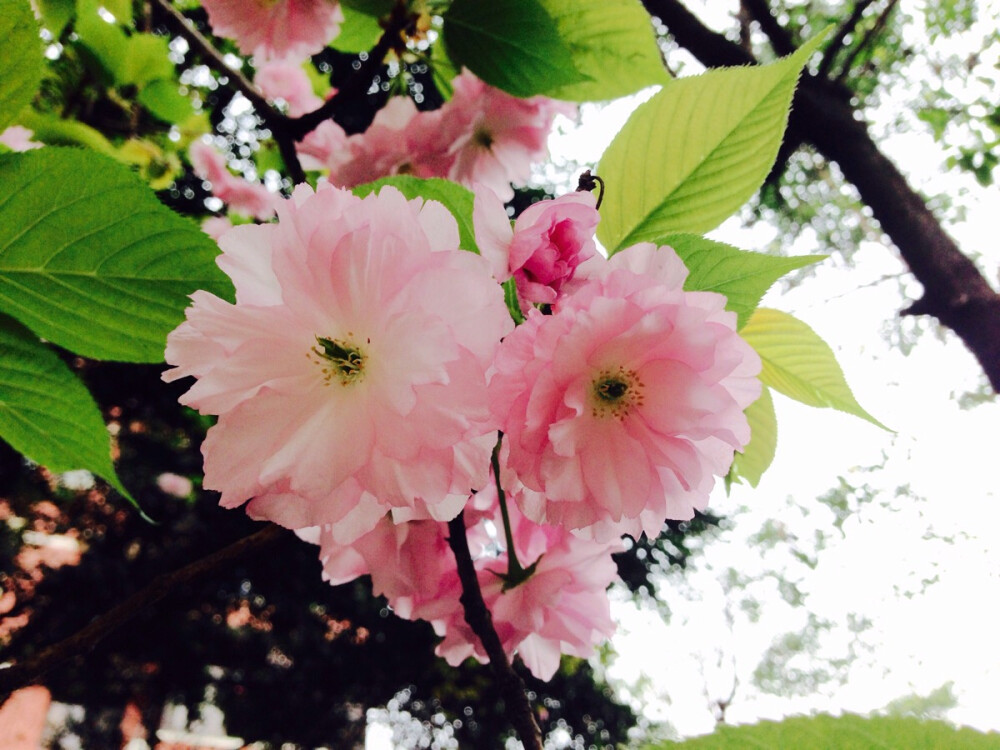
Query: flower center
[[615, 392], [482, 137], [342, 360]]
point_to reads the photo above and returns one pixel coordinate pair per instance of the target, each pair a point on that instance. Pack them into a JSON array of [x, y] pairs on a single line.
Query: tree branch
[[955, 292], [837, 43], [274, 120], [481, 621], [781, 40], [27, 671], [866, 40]]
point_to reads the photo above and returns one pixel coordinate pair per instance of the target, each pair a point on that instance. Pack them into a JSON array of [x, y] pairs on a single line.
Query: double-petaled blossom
[[543, 248], [275, 29], [242, 196], [621, 407], [349, 377]]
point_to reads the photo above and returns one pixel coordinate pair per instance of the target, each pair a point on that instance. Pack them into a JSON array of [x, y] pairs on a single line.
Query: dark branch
[[781, 40], [955, 291], [29, 670], [481, 621], [868, 38], [835, 45]]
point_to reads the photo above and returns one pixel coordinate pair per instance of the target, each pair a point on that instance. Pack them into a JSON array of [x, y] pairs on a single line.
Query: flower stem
[[515, 572]]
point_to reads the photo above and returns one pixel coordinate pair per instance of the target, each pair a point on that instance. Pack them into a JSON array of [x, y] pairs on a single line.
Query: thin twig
[[868, 39], [481, 621], [29, 670], [837, 42]]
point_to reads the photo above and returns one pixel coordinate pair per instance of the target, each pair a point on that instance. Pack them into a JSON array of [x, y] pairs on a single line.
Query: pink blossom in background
[[543, 248], [175, 484], [493, 138], [286, 80], [349, 377], [621, 408], [17, 138], [242, 196], [216, 226], [273, 29]]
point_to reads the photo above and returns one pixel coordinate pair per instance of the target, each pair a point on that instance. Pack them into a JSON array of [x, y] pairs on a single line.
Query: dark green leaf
[[21, 60], [91, 260]]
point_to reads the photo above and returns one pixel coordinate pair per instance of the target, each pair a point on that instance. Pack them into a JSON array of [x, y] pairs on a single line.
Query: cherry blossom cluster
[[370, 363]]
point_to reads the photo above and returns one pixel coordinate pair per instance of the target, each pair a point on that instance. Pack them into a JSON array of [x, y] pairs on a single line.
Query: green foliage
[[57, 131], [740, 275], [612, 43], [514, 45], [847, 732], [164, 101], [56, 14], [46, 413], [799, 364], [457, 199], [759, 453], [21, 61], [89, 258], [358, 33], [695, 152]]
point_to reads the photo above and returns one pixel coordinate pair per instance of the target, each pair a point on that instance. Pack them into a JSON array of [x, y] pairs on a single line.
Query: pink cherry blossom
[[242, 196], [621, 407], [276, 28], [349, 377], [492, 137], [17, 138], [287, 81], [175, 484], [546, 244]]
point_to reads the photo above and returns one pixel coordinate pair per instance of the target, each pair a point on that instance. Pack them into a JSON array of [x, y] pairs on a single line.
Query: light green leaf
[[740, 275], [511, 44], [358, 33], [759, 452], [457, 199], [164, 100], [91, 260], [147, 58], [105, 41], [612, 42], [21, 61], [120, 9], [846, 732], [56, 131], [46, 413], [694, 153], [799, 363], [56, 14]]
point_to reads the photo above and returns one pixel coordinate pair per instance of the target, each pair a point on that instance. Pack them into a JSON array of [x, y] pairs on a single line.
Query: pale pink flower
[[242, 196], [216, 226], [175, 484], [543, 248], [621, 407], [349, 377], [287, 81], [276, 28], [17, 138], [391, 145], [492, 137]]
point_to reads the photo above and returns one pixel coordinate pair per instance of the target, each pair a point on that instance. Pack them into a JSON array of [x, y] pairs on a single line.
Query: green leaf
[[56, 14], [105, 41], [759, 452], [358, 33], [846, 732], [165, 101], [21, 61], [694, 153], [147, 58], [120, 9], [56, 131], [799, 363], [611, 42], [457, 199], [376, 8], [740, 275], [514, 45], [91, 260], [511, 300], [46, 413]]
